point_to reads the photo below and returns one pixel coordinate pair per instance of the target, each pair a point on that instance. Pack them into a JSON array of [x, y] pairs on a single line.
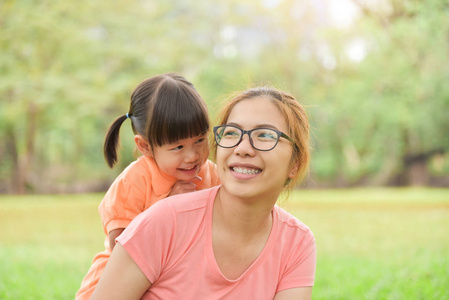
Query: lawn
[[372, 243]]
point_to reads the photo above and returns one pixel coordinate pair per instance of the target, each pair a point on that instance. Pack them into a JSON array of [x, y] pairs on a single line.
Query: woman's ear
[[143, 145], [293, 169]]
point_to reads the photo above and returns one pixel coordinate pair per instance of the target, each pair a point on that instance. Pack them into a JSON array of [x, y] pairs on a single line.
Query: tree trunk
[[417, 173], [22, 163], [15, 185]]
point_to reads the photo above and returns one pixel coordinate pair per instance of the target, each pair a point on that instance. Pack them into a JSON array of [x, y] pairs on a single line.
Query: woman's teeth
[[246, 171]]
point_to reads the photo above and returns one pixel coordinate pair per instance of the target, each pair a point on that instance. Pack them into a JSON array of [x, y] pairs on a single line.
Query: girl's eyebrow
[[180, 142], [174, 144]]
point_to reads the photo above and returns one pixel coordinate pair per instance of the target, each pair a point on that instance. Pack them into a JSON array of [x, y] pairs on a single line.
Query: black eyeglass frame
[[248, 132]]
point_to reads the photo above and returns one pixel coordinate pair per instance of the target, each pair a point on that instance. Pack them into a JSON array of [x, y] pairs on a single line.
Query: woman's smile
[[245, 171]]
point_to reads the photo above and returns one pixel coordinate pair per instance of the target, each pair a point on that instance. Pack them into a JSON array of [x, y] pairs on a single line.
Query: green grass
[[372, 243], [378, 244], [47, 244]]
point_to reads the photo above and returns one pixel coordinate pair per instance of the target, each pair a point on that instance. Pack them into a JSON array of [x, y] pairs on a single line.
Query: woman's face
[[247, 172]]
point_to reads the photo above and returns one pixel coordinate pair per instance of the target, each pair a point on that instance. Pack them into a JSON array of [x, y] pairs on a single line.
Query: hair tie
[[127, 116]]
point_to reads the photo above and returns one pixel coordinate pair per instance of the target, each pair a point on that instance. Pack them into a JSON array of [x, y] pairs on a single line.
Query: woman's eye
[[266, 135], [230, 134]]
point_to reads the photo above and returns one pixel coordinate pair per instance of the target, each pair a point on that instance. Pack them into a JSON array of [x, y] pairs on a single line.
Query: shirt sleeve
[[124, 200], [300, 271], [209, 176], [214, 174], [149, 239]]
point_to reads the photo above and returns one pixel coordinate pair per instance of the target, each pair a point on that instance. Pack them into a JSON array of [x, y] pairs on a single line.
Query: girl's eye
[[200, 141], [178, 147]]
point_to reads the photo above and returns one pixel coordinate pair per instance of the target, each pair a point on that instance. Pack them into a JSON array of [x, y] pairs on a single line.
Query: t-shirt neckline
[[213, 266]]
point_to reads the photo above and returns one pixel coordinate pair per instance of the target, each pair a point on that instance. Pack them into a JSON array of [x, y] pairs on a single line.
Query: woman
[[232, 241]]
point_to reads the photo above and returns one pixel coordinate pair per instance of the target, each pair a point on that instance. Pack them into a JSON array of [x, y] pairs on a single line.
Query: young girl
[[170, 122]]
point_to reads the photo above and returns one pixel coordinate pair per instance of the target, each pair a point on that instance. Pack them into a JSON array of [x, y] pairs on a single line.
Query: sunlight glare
[[342, 12], [356, 50]]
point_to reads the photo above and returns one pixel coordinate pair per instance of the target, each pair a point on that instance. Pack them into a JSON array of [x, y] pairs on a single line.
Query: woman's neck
[[240, 231], [244, 217]]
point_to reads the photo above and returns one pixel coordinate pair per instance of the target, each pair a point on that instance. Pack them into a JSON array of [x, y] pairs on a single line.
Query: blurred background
[[373, 74]]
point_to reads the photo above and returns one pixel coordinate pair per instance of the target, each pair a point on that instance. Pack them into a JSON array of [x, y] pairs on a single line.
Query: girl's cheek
[[205, 151]]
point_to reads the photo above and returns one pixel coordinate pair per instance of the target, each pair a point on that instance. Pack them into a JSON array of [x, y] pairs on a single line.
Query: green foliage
[[69, 72], [393, 104]]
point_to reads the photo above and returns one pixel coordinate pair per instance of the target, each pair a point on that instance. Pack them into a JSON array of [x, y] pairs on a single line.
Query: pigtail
[[111, 142]]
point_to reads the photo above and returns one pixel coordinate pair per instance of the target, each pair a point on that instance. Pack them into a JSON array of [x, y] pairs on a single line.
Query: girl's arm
[[303, 293], [121, 279], [113, 235]]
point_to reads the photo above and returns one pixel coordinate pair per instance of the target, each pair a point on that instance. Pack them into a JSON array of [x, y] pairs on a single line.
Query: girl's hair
[[163, 109], [295, 118]]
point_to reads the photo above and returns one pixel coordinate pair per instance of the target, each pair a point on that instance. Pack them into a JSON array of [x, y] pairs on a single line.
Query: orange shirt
[[141, 185]]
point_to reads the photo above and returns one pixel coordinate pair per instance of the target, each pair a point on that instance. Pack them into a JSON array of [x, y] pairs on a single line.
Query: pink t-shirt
[[171, 242]]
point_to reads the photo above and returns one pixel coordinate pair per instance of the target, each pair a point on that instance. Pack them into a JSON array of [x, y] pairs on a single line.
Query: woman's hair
[[295, 118], [163, 110]]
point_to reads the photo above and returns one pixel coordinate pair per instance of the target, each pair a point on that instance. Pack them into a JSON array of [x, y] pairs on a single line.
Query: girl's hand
[[181, 186]]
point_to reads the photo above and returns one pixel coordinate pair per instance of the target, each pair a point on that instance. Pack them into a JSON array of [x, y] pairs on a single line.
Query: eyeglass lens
[[261, 138]]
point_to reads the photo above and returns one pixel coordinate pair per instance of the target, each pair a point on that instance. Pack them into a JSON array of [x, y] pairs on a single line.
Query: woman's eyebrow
[[267, 126], [263, 125], [233, 124]]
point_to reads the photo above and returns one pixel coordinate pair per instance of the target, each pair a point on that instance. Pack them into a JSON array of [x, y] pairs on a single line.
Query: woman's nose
[[244, 147]]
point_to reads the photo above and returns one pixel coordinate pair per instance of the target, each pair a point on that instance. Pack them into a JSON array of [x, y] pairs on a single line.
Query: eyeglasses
[[262, 139]]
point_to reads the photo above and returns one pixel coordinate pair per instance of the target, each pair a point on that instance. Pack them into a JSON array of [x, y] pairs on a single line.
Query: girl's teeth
[[246, 171]]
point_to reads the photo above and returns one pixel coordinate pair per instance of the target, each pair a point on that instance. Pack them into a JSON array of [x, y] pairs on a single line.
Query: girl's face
[[246, 172], [183, 159]]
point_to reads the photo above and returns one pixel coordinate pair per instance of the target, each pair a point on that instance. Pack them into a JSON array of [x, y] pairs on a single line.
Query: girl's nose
[[192, 155]]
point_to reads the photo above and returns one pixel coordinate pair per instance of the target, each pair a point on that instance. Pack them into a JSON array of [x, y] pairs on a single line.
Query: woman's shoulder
[[288, 220], [190, 201], [183, 210], [295, 236]]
